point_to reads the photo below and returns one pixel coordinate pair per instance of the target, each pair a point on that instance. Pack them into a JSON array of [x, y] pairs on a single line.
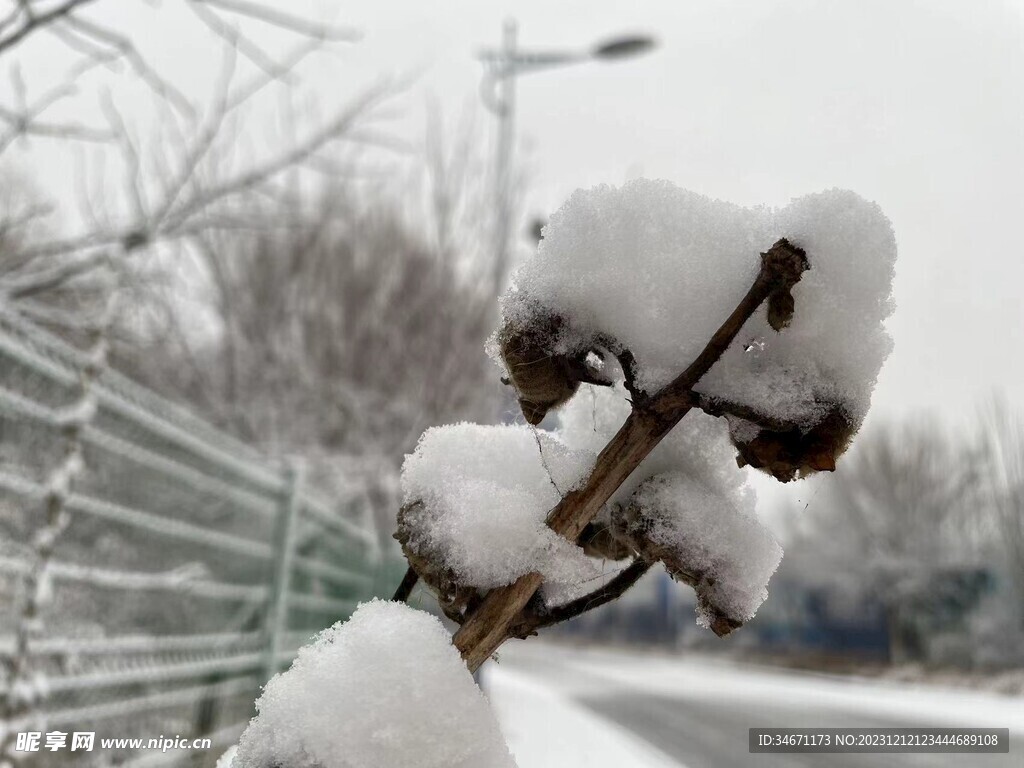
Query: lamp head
[[623, 47]]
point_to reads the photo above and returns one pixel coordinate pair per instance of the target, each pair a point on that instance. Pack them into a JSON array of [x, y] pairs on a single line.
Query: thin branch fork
[[34, 21], [407, 586], [486, 628], [716, 406], [531, 620]]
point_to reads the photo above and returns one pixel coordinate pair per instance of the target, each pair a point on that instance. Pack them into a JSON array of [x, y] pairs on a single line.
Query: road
[[695, 711]]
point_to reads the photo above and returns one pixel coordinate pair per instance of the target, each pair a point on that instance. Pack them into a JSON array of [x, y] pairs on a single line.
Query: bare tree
[[1004, 444], [280, 310], [149, 197], [343, 330], [901, 510], [186, 178]]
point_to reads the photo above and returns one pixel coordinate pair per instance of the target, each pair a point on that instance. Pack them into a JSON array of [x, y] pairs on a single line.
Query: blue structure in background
[[812, 622], [816, 618], [806, 619]]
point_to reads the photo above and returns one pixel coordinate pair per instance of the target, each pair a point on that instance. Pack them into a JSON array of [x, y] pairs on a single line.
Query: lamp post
[[498, 91]]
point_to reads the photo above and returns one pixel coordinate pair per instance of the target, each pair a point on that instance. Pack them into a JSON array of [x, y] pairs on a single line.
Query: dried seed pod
[[598, 540], [781, 306], [544, 379], [794, 453], [634, 524], [453, 597]]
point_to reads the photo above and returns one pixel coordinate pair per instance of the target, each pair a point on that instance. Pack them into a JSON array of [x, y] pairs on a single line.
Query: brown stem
[[716, 406], [627, 362], [407, 586], [531, 621], [486, 628]]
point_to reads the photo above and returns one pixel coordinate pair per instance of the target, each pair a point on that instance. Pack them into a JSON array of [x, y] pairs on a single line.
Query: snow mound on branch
[[836, 343], [698, 446], [486, 491], [693, 498], [728, 551], [387, 689], [658, 269]]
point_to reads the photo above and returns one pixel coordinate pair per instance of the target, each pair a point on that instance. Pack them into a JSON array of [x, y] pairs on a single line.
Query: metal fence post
[[284, 550]]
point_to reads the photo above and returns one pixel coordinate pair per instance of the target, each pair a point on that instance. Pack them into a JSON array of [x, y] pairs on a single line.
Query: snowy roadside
[[546, 729], [1008, 682], [707, 678]]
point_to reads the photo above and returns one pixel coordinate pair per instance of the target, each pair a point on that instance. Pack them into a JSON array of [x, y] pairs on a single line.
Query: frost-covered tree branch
[[23, 20], [177, 185]]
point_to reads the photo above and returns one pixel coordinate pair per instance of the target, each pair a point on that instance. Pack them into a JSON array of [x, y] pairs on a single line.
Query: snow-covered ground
[[565, 707], [546, 728]]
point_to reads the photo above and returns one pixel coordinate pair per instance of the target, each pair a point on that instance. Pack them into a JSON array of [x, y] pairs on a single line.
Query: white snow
[[486, 492], [698, 677], [698, 446], [698, 503], [733, 553], [59, 483], [79, 413], [386, 688], [546, 729], [658, 269], [836, 343], [557, 677]]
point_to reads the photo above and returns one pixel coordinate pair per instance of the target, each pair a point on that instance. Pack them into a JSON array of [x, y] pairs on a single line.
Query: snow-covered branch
[[480, 635]]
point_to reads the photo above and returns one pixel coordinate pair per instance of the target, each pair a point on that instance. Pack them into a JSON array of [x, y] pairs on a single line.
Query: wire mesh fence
[[154, 572]]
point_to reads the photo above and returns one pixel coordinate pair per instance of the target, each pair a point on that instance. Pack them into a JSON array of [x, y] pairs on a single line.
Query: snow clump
[[387, 689], [482, 494], [656, 269]]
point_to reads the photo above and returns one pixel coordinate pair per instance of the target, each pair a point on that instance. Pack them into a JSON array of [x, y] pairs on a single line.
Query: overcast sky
[[914, 104]]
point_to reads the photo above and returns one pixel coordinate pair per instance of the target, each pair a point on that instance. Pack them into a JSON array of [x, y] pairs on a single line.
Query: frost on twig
[[73, 421], [185, 184]]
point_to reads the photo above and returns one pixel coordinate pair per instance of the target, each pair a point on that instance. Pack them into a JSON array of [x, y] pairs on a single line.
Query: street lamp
[[498, 91]]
